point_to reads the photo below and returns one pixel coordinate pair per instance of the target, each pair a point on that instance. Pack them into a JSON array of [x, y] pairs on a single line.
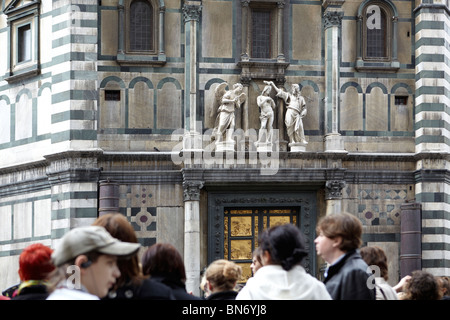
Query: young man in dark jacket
[[338, 240]]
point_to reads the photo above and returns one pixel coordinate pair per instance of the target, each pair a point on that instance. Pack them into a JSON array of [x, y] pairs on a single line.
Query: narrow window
[[24, 43], [261, 34], [141, 26], [377, 38]]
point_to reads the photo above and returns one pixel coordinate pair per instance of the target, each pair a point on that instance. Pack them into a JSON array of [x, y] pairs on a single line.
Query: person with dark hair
[[422, 286], [35, 265], [132, 283], [282, 276], [376, 258], [221, 279], [164, 264], [338, 240]]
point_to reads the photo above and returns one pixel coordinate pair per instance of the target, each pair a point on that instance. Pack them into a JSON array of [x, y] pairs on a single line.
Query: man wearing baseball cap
[[86, 261]]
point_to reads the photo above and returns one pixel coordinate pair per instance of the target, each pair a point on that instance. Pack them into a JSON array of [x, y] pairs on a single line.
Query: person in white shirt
[[86, 261], [282, 277], [377, 261]]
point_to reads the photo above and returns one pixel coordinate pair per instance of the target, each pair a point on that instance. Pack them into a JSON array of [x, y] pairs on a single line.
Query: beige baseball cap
[[82, 240]]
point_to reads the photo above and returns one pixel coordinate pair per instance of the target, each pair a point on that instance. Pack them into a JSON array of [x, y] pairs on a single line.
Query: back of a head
[[35, 262], [344, 225], [376, 256], [223, 274], [120, 228], [422, 286], [163, 259], [286, 245]]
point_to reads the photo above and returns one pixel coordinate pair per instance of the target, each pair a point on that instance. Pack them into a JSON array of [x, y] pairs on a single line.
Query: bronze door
[[235, 221], [242, 227]]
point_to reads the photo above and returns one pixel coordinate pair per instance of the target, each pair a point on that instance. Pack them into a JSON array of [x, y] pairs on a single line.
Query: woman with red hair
[[34, 267]]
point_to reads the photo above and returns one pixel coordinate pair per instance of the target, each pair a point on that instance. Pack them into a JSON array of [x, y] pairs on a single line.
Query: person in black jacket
[[338, 240], [164, 264]]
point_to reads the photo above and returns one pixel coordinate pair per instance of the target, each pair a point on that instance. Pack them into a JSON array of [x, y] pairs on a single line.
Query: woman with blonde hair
[[221, 279]]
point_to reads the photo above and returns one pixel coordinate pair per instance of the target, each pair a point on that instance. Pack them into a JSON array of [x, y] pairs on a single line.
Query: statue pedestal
[[297, 147], [225, 146], [263, 146]]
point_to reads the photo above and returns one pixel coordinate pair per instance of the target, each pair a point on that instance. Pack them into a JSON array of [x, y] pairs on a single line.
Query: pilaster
[[332, 19], [191, 197]]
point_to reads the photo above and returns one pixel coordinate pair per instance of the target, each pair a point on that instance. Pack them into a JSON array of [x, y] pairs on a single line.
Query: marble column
[[192, 235], [192, 13], [332, 25]]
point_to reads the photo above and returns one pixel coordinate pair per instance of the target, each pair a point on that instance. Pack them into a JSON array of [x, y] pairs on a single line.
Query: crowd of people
[[101, 261]]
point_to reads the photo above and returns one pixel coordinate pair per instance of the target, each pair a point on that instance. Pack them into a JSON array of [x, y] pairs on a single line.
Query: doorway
[[235, 222]]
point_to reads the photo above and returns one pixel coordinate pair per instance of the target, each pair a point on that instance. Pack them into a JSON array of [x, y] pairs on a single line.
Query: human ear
[[337, 242], [81, 261], [266, 258]]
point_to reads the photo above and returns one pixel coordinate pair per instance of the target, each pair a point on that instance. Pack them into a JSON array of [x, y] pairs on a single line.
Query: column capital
[[191, 190], [191, 12], [332, 19], [333, 189]]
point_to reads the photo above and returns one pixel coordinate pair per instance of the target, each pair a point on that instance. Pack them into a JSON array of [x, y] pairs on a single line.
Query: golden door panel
[[243, 226]]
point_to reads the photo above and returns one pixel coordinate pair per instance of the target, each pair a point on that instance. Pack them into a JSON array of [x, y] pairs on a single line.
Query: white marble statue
[[227, 102], [267, 107], [295, 112]]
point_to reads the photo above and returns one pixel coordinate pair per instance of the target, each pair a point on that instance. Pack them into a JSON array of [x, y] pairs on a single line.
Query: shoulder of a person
[[71, 294]]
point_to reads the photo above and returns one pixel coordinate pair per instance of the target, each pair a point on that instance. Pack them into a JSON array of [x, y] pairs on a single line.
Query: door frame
[[306, 201]]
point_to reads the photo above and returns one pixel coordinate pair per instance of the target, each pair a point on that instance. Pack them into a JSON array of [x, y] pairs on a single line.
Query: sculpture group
[[227, 101]]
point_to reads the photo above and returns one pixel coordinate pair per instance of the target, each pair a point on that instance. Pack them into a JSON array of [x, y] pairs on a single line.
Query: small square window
[[401, 100], [112, 95]]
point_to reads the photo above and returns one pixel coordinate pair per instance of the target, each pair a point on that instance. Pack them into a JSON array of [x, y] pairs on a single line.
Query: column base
[[225, 146], [334, 143], [263, 146], [297, 147]]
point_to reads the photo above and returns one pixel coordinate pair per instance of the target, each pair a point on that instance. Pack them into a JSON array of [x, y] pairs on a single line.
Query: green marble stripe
[[432, 124], [74, 75], [74, 135], [74, 213], [432, 139], [74, 38], [81, 23], [74, 95], [75, 195], [433, 107], [435, 263], [435, 214], [73, 115]]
